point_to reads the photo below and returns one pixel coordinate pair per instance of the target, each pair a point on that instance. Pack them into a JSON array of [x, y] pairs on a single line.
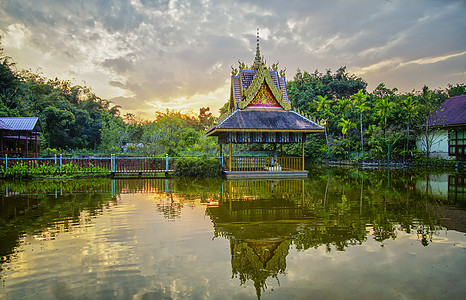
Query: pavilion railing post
[[302, 157], [60, 161], [112, 163], [229, 160], [6, 161], [221, 155], [166, 163], [55, 159]]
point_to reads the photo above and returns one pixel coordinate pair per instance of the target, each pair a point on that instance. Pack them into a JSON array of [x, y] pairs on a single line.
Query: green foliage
[[198, 167], [389, 122], [23, 171], [457, 90]]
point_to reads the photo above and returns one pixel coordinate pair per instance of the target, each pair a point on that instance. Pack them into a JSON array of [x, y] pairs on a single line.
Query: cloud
[[163, 53], [15, 35]]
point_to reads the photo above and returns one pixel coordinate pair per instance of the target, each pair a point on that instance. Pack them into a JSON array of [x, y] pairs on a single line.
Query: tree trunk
[[362, 136], [326, 137], [427, 140]]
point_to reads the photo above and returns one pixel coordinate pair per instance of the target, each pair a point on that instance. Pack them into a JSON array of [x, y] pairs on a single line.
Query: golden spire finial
[[257, 59]]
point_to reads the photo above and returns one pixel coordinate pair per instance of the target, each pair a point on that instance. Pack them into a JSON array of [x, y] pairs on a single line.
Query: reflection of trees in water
[[170, 209], [336, 209], [46, 209]]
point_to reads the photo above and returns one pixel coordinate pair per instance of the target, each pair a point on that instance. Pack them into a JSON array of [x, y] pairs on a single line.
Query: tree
[[383, 106], [343, 105], [205, 117], [429, 101], [346, 125], [324, 107], [409, 106], [457, 90], [359, 101], [57, 123], [306, 86]]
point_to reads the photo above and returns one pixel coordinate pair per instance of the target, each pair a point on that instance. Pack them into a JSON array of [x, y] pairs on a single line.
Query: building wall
[[438, 144]]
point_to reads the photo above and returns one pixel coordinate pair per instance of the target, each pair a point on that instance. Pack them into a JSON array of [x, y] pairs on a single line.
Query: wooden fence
[[113, 163], [165, 164]]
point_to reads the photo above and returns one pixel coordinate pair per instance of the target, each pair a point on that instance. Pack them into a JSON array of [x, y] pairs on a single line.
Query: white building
[[447, 137]]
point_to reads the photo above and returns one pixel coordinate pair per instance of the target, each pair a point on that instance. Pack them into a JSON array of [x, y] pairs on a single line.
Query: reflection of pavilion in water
[[259, 218]]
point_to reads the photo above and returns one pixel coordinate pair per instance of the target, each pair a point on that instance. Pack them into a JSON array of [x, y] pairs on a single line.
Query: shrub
[[22, 171], [198, 167]]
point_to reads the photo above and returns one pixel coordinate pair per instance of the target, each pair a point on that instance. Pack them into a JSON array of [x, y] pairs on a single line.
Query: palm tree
[[384, 106], [343, 105], [345, 126], [409, 106], [360, 104], [324, 105]]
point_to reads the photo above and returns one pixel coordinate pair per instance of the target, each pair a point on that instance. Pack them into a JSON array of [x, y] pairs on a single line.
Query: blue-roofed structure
[[19, 136]]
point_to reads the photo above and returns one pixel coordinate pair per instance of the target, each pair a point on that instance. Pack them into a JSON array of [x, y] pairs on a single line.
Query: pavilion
[[261, 112], [19, 136]]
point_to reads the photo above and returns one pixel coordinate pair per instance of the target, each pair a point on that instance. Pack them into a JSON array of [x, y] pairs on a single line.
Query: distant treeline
[[75, 119], [377, 124]]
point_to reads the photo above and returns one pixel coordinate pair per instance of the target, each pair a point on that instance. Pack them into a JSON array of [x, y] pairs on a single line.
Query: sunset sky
[[151, 55]]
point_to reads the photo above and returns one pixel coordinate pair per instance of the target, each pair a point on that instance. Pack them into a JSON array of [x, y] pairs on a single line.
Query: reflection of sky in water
[[132, 250]]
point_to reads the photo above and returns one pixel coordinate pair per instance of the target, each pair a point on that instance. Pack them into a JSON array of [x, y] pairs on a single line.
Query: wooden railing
[[112, 163], [158, 164], [261, 164]]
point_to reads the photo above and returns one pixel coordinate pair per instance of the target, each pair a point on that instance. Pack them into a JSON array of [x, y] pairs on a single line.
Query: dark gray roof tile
[[451, 112], [21, 123]]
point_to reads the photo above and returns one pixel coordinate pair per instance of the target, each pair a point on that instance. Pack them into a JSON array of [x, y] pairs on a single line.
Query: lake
[[341, 234]]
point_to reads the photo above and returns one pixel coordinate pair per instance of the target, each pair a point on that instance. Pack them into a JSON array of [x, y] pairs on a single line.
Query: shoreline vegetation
[[381, 127], [202, 167]]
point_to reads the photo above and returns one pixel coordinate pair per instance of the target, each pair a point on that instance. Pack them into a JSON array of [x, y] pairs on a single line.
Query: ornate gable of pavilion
[[259, 103], [258, 86]]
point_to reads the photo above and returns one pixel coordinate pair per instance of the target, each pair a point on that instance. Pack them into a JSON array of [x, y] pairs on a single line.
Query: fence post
[[55, 159], [6, 161], [112, 162], [60, 161], [166, 163]]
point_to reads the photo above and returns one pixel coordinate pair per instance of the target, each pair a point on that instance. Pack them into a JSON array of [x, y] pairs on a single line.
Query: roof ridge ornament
[[257, 59]]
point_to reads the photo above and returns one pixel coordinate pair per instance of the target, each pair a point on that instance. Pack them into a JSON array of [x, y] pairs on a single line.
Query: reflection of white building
[[447, 139], [435, 185], [444, 187]]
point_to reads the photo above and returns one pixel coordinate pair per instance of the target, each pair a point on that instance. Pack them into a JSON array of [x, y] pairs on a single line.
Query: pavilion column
[[27, 144], [221, 154], [37, 153], [229, 160], [302, 157]]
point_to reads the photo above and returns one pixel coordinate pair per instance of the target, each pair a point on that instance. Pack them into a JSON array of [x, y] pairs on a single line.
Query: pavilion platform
[[242, 175]]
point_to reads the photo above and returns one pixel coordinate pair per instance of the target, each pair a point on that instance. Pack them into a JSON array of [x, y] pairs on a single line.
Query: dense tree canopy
[[384, 118], [73, 117]]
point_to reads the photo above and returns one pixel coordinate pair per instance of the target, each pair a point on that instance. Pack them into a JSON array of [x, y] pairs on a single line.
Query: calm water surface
[[341, 234]]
